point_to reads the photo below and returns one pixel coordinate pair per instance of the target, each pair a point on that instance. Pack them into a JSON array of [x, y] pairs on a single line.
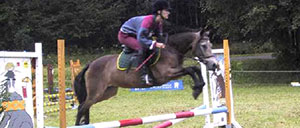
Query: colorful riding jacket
[[143, 27]]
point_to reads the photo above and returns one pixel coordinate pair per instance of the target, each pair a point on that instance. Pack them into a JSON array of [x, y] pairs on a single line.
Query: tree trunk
[[191, 17], [196, 15], [176, 17]]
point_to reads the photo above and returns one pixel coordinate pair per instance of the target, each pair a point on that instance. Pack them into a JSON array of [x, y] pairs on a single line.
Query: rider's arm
[[143, 32], [142, 37]]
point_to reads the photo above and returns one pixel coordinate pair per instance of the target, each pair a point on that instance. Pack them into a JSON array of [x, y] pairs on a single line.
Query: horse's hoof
[[80, 122], [196, 93]]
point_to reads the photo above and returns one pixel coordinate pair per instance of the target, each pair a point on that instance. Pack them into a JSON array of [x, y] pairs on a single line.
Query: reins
[[151, 55]]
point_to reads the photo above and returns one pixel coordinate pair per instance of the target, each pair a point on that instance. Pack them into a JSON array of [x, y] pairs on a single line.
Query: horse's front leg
[[198, 81], [197, 89]]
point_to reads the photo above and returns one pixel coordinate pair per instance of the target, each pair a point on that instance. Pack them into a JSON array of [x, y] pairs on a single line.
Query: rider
[[136, 33]]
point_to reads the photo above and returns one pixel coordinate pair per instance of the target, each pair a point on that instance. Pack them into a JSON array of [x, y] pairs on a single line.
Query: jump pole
[[228, 88], [172, 122], [151, 119], [227, 80], [61, 82], [39, 87]]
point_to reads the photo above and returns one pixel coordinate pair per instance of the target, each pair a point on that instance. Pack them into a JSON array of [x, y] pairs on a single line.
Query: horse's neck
[[182, 49], [175, 51], [182, 43], [173, 55]]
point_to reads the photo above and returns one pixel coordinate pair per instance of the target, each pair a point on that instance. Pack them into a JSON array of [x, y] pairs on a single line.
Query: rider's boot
[[145, 77]]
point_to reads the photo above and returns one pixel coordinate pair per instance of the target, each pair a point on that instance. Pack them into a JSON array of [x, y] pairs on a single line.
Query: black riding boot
[[145, 77]]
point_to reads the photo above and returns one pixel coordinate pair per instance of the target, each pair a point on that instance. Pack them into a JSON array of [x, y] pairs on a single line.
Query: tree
[[93, 25], [88, 23], [3, 98], [259, 22]]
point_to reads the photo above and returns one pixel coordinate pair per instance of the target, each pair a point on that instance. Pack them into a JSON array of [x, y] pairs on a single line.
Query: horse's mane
[[181, 41]]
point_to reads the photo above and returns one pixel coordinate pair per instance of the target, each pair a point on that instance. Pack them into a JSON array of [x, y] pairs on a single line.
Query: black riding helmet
[[160, 5]]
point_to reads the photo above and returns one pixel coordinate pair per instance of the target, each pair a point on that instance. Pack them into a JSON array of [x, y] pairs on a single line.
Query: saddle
[[127, 59]]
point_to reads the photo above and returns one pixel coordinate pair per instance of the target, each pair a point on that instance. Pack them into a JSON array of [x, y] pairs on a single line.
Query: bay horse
[[100, 79]]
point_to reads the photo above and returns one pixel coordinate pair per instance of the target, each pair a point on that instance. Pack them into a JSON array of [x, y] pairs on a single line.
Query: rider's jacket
[[143, 27]]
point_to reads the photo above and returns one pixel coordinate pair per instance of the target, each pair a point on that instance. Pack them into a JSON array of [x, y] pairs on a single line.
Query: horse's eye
[[203, 45]]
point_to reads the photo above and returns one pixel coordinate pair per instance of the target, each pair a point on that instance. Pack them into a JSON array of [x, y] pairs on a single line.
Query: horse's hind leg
[[109, 92], [79, 114], [87, 117], [92, 95], [84, 108]]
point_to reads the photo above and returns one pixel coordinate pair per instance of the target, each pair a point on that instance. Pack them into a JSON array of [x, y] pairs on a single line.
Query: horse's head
[[202, 49]]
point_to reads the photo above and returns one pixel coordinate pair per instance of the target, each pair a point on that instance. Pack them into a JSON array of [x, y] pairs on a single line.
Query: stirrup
[[147, 79]]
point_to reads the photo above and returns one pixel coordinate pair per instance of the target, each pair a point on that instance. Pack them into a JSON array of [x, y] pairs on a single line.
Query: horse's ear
[[206, 33], [200, 29]]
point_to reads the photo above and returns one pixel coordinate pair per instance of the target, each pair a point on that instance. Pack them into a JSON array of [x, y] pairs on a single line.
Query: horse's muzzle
[[211, 63]]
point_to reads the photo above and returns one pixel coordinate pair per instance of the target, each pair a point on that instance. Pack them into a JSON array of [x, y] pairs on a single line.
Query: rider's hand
[[160, 45]]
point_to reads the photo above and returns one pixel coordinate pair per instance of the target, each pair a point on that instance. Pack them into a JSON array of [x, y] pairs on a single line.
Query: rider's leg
[[129, 41], [144, 71], [132, 42]]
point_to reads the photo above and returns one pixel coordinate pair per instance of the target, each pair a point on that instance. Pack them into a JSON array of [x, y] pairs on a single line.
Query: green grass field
[[256, 106]]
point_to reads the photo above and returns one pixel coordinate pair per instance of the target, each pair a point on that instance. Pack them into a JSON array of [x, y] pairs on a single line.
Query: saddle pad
[[123, 60]]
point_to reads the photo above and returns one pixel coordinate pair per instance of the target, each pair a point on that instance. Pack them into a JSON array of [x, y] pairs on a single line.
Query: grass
[[256, 106], [267, 106]]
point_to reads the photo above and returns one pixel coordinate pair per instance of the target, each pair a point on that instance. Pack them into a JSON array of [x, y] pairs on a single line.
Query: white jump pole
[[172, 122], [151, 119]]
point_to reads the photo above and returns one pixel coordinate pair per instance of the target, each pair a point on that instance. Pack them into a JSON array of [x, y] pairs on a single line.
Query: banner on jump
[[172, 85], [15, 79]]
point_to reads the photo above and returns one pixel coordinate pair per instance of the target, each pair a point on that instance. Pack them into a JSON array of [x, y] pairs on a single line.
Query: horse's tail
[[79, 85]]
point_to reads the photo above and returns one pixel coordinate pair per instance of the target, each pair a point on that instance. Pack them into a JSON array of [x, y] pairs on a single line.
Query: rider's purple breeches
[[129, 41]]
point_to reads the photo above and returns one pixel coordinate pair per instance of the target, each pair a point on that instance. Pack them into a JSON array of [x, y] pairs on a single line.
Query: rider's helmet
[[160, 5]]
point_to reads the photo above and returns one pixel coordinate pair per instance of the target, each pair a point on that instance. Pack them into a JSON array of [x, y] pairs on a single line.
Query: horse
[[100, 79]]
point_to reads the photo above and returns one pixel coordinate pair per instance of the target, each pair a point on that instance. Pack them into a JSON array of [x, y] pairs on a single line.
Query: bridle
[[202, 56]]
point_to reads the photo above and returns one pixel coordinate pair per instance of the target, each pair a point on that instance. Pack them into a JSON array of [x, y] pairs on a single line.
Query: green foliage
[[254, 64], [89, 23], [3, 97], [250, 48], [257, 65], [259, 22], [92, 26]]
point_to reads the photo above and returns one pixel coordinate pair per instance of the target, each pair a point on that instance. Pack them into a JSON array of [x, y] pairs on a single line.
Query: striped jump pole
[[151, 119], [174, 121], [57, 95]]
